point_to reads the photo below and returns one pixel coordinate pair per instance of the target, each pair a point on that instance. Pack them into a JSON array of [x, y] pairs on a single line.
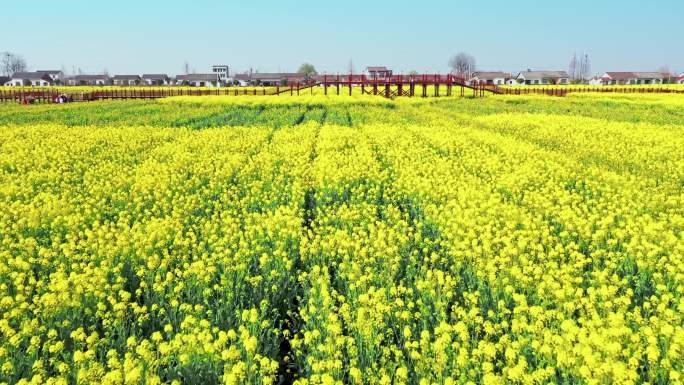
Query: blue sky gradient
[[127, 36]]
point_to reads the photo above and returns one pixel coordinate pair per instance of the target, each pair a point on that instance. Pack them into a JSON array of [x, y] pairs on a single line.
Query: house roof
[[31, 75], [277, 76], [126, 77], [244, 77], [543, 74], [155, 76], [4, 79], [198, 77], [377, 69], [50, 72], [90, 77], [632, 75], [653, 75], [491, 75]]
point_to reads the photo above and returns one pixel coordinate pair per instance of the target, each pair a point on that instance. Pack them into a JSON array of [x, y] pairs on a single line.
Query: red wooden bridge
[[401, 85]]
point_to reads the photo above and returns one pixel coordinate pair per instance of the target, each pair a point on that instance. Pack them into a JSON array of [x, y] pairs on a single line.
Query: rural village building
[[543, 77], [379, 72], [198, 80], [496, 77], [4, 80], [222, 71], [88, 80], [679, 79], [56, 75], [269, 79], [241, 79], [126, 80], [625, 78], [25, 79], [278, 78], [595, 81], [155, 79]]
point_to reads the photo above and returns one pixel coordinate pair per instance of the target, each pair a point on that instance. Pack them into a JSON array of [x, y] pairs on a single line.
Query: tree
[[186, 68], [308, 70], [351, 66], [573, 68], [413, 73], [665, 70], [462, 64], [11, 63], [580, 68]]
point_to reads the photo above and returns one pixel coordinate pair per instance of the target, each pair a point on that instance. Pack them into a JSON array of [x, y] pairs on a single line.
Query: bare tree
[[572, 70], [351, 66], [462, 64], [665, 70], [186, 68], [586, 68], [11, 63], [580, 68]]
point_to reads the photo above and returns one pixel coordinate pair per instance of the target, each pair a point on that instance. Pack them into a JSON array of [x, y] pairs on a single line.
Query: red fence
[[524, 90]]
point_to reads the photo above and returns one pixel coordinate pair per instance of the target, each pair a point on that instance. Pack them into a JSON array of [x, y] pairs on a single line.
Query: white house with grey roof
[[199, 80], [88, 80], [126, 80], [28, 79], [57, 76], [492, 77], [155, 79], [538, 78], [632, 78]]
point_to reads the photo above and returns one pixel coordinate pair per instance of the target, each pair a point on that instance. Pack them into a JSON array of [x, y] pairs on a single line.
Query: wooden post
[[388, 92]]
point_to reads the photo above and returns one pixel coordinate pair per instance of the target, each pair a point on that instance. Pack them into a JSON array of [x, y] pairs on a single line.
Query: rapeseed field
[[343, 240]]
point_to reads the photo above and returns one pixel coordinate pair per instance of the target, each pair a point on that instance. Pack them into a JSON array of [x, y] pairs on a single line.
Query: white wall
[[206, 84], [31, 82]]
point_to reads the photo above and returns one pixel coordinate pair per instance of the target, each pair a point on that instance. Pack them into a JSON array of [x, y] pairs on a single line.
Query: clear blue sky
[[127, 36]]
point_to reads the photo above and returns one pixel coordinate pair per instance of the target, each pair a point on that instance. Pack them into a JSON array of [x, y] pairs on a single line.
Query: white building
[[199, 80], [222, 71], [679, 79], [27, 79], [155, 79], [497, 77], [631, 78], [595, 81], [56, 75], [538, 78], [88, 80], [126, 80], [379, 72]]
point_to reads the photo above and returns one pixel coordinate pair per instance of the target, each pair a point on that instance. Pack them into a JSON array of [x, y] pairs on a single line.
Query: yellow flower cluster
[[425, 242]]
